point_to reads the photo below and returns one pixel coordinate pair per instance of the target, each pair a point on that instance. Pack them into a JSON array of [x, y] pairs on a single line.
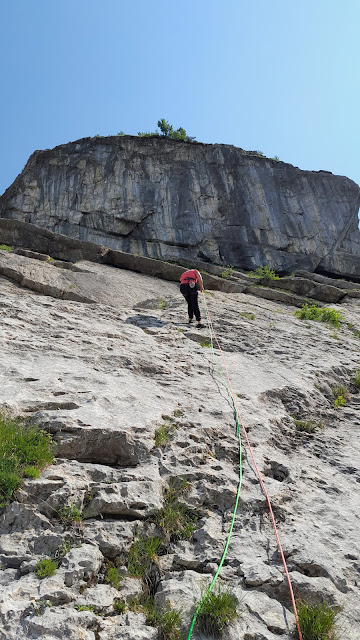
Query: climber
[[190, 282]]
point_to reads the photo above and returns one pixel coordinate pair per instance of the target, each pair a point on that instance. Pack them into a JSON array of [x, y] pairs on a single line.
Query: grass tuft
[[216, 612], [5, 247], [162, 434], [113, 577], [175, 519], [24, 450], [167, 620], [119, 606], [247, 314], [317, 621], [142, 554], [356, 379]]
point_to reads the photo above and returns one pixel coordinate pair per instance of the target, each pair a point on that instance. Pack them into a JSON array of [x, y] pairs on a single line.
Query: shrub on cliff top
[[167, 131], [22, 448]]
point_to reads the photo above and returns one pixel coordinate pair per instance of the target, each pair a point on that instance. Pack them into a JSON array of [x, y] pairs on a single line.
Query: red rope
[[260, 478]]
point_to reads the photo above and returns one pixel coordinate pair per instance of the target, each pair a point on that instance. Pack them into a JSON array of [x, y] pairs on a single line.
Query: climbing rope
[[239, 422]]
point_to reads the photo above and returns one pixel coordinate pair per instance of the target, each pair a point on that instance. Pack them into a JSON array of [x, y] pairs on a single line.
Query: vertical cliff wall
[[173, 200]]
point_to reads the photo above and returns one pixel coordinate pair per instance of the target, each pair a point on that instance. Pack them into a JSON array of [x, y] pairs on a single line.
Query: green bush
[[175, 519], [167, 131], [45, 568], [317, 621], [22, 447], [341, 395], [5, 247], [265, 272], [142, 554], [216, 612], [323, 314], [113, 577], [69, 514]]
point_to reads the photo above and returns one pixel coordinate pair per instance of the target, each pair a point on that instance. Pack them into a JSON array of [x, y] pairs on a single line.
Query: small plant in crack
[[341, 395], [84, 607], [142, 555], [70, 514], [119, 606], [40, 606], [167, 620], [163, 433], [248, 315], [113, 577], [61, 551], [356, 379], [307, 426], [175, 519], [45, 568]]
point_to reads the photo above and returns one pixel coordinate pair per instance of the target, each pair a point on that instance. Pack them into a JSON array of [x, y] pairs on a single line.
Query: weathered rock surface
[[177, 201], [102, 377]]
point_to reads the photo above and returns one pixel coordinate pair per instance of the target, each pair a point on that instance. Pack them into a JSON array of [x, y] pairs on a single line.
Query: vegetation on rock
[[69, 514], [264, 272], [175, 519], [317, 621], [45, 568], [320, 314], [216, 612], [167, 131], [24, 450]]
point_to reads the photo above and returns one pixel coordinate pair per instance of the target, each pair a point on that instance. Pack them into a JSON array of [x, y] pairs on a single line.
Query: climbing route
[[227, 383]]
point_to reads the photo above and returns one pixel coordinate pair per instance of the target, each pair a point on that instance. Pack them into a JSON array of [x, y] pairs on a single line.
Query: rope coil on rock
[[239, 422]]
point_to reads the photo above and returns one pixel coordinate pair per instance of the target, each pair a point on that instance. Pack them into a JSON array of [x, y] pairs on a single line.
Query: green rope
[[237, 419]]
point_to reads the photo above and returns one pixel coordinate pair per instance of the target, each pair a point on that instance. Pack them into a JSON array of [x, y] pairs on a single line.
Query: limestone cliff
[[180, 201], [107, 368]]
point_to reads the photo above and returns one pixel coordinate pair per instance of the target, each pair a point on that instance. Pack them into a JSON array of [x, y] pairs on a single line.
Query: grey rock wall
[[180, 201]]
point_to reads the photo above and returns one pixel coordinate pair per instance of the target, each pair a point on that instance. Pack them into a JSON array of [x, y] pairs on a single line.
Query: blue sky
[[278, 76]]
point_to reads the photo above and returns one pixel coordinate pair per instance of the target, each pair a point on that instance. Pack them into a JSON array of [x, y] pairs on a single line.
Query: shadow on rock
[[143, 321]]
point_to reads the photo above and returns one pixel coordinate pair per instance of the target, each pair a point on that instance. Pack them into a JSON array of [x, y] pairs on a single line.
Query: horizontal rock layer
[[179, 201]]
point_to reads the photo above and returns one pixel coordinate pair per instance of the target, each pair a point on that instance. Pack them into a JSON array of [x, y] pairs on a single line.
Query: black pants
[[191, 297]]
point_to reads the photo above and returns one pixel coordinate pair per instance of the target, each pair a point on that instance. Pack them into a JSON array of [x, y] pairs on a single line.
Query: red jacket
[[189, 275]]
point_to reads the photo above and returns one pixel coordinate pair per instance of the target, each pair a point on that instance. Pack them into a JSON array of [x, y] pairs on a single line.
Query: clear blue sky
[[278, 76]]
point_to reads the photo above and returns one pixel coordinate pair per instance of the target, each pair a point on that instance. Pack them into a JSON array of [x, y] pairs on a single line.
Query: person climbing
[[190, 283]]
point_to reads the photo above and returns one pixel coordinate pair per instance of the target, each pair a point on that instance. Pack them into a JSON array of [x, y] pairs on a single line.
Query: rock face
[[178, 201], [102, 377]]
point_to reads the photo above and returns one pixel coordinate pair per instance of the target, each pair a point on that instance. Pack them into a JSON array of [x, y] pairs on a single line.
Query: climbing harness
[[239, 422]]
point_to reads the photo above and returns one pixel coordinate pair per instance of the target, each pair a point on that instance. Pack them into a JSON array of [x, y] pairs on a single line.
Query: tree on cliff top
[[167, 131]]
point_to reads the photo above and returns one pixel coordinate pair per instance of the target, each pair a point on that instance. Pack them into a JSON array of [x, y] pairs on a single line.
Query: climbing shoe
[[190, 320], [200, 325]]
